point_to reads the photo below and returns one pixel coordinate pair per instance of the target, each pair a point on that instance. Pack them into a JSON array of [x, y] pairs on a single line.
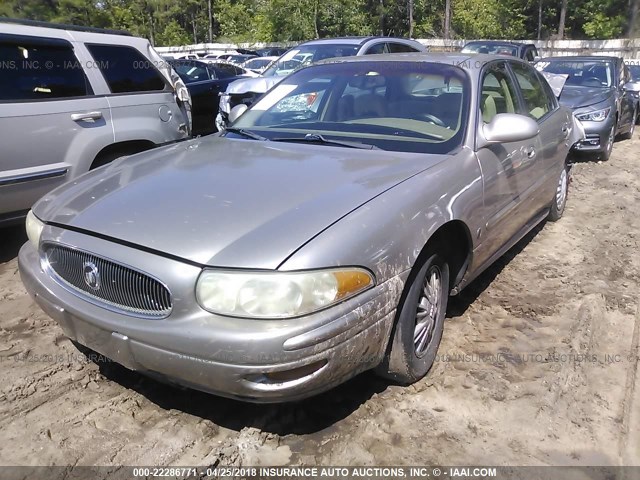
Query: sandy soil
[[539, 365]]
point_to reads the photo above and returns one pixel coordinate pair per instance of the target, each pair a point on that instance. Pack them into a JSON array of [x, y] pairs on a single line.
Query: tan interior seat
[[488, 108]]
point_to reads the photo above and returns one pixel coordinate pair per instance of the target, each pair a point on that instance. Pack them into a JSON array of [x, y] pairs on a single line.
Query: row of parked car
[[602, 91], [318, 236]]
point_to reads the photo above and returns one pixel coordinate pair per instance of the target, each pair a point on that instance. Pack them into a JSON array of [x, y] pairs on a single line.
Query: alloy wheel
[[429, 306], [561, 190]]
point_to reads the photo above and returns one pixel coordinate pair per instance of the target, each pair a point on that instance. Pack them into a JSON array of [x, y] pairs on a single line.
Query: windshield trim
[[406, 134]]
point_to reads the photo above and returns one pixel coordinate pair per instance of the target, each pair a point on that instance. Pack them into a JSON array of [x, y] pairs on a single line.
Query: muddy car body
[[318, 238]]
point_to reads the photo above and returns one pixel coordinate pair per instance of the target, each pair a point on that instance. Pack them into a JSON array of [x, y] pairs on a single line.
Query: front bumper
[[254, 360], [597, 134]]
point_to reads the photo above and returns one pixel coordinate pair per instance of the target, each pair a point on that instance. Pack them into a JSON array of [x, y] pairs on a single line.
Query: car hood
[[228, 202], [577, 97], [255, 85]]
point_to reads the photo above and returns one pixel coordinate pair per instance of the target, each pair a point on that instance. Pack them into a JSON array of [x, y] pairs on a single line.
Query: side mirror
[[509, 127], [236, 112]]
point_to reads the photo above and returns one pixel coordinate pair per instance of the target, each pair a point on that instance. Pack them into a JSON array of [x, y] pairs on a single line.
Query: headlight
[[34, 229], [277, 294], [225, 103], [597, 116]]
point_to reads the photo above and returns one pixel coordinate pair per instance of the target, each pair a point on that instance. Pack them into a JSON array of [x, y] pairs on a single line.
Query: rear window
[[126, 70], [401, 48], [40, 70]]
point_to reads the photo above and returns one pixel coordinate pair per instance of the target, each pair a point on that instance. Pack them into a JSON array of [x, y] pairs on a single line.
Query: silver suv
[[247, 91], [74, 98]]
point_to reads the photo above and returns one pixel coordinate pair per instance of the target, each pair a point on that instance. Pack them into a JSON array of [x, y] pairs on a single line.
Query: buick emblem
[[91, 275]]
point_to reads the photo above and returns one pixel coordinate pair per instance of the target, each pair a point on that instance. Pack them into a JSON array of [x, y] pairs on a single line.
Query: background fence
[[626, 48]]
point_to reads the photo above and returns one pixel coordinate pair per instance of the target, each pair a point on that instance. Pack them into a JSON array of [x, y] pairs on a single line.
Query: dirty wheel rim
[[612, 136], [429, 305], [561, 191]]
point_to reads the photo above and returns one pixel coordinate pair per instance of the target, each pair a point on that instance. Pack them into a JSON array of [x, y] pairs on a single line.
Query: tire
[[606, 154], [629, 134], [412, 351], [560, 195]]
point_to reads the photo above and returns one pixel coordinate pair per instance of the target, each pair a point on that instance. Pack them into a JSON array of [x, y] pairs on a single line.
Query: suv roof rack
[[62, 26]]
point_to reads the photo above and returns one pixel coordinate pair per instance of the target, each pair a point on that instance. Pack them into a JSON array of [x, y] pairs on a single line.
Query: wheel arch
[[452, 240], [112, 151]]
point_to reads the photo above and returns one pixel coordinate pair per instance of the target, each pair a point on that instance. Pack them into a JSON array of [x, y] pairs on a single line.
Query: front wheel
[[560, 197], [611, 137], [419, 323]]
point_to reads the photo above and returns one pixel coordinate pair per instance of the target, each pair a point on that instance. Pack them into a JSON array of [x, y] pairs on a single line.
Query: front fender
[[388, 233]]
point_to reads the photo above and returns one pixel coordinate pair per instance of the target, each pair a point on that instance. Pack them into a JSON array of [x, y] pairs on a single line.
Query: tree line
[[171, 22]]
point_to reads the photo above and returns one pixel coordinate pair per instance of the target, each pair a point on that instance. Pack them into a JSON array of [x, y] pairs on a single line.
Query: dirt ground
[[538, 366]]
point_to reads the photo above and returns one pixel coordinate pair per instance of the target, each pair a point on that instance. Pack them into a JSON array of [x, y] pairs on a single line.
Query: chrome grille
[[107, 282]]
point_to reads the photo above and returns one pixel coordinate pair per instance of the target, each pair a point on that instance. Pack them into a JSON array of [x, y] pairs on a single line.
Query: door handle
[[80, 117]]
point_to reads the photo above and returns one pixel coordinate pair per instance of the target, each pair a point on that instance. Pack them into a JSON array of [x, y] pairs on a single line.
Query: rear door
[[50, 118], [628, 99], [546, 153], [142, 102]]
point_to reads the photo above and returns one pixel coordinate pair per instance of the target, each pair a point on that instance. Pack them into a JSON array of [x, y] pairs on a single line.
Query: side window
[[377, 48], [213, 75], [191, 71], [225, 70], [529, 56], [126, 70], [40, 71], [401, 48], [498, 93], [536, 98]]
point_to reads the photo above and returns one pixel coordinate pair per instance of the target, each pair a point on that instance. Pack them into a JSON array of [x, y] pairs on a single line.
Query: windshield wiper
[[246, 133], [317, 138]]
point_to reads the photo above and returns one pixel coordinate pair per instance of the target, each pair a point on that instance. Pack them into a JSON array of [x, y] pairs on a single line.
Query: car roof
[[71, 33], [62, 26], [584, 58], [350, 40], [466, 61], [498, 42]]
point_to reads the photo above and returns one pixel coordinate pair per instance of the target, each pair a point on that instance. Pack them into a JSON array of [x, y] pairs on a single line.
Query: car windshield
[[257, 63], [400, 106], [190, 71], [307, 54], [495, 49], [581, 73]]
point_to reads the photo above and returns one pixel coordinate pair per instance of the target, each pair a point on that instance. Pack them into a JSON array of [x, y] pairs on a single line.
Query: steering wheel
[[592, 81], [432, 119]]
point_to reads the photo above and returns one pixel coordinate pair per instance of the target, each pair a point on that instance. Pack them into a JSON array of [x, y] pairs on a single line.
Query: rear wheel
[[560, 197], [632, 127], [419, 323]]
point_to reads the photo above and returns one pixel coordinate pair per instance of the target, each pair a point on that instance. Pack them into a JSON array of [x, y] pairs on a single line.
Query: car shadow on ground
[[11, 239], [459, 304], [300, 418]]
